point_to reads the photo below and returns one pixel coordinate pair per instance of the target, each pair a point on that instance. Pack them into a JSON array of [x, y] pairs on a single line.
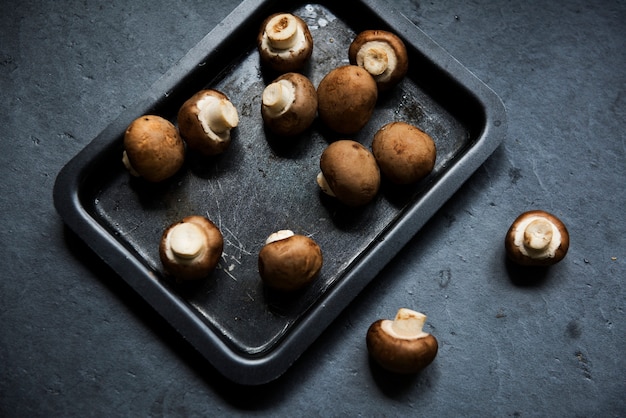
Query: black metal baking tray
[[260, 185]]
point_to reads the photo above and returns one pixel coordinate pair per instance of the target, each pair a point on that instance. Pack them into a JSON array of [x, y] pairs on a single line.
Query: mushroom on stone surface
[[191, 248], [349, 173], [400, 345], [404, 153], [284, 42], [537, 238], [382, 54], [153, 148], [289, 261], [205, 121], [289, 104], [346, 99]]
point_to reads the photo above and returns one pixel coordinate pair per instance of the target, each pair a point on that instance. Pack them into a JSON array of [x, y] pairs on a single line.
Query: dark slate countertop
[[75, 340]]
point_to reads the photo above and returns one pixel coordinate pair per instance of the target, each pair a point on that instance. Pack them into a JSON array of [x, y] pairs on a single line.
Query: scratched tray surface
[[262, 184]]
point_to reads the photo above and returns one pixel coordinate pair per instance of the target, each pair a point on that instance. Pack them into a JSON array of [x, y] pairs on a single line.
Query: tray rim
[[254, 370]]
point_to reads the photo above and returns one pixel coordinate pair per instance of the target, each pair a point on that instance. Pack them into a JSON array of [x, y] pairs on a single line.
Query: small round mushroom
[[191, 248], [284, 42], [289, 261], [537, 238], [404, 153], [401, 346], [346, 99], [349, 173], [153, 148], [382, 54], [289, 104], [205, 121]]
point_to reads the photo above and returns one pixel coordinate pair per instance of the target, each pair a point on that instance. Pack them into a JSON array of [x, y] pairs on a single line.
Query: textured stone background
[[76, 341]]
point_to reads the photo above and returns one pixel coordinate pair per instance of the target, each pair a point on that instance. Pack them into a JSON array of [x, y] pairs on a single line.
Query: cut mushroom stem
[[376, 58], [538, 235], [278, 97], [217, 115], [282, 31], [279, 235], [186, 240], [408, 324], [324, 186]]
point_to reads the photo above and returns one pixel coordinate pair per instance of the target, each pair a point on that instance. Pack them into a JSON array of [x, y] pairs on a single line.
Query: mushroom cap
[[404, 153], [346, 99], [290, 263], [192, 130], [351, 172], [381, 38], [154, 148], [518, 252], [400, 355], [292, 59], [299, 115], [206, 255]]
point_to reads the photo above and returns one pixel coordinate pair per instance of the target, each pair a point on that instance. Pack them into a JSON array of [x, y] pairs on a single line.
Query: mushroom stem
[[538, 235], [407, 324], [324, 186], [377, 58], [217, 115], [186, 240], [282, 31], [128, 165], [278, 235], [278, 97]]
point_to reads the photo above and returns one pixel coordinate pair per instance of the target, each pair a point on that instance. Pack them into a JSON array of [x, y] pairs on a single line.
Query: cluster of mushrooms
[[344, 101]]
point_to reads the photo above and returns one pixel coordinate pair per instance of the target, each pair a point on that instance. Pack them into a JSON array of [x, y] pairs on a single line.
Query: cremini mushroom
[[284, 42], [153, 148], [537, 238], [205, 121], [349, 173], [289, 104], [404, 153], [289, 261], [191, 248], [401, 345], [382, 54], [346, 99]]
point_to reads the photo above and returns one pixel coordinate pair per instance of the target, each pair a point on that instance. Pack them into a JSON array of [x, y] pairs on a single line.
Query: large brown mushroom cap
[[405, 154], [284, 42], [536, 238], [349, 172], [382, 54], [205, 121], [401, 352], [346, 99], [289, 261], [190, 249], [289, 104], [153, 149]]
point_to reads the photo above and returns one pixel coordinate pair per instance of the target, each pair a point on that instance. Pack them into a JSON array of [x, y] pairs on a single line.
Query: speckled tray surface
[[261, 184]]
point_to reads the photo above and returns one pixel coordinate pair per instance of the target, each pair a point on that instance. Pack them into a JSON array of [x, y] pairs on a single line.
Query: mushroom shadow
[[396, 385], [526, 276]]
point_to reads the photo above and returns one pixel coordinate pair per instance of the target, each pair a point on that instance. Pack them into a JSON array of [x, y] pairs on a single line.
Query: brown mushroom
[[404, 153], [284, 42], [382, 54], [537, 238], [349, 172], [401, 346], [191, 248], [289, 104], [346, 99], [205, 121], [153, 148], [289, 261]]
